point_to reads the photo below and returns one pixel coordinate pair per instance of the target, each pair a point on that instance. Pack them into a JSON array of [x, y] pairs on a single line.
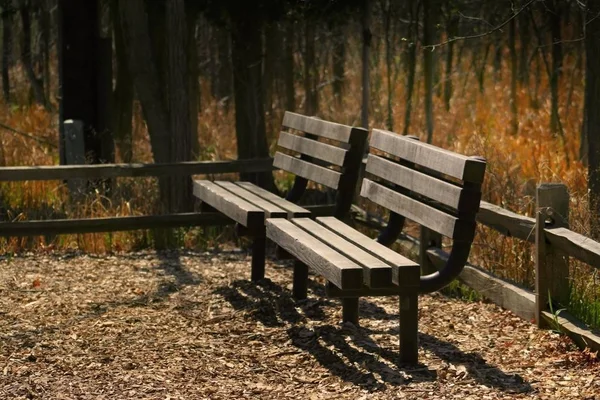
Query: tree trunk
[[429, 12], [288, 67], [514, 121], [44, 21], [79, 71], [387, 18], [481, 72], [452, 31], [311, 104], [7, 28], [592, 116], [523, 56], [146, 76], [178, 96], [223, 75], [123, 93], [36, 84], [270, 65], [555, 20], [411, 64], [338, 60], [366, 87], [192, 13], [246, 55]]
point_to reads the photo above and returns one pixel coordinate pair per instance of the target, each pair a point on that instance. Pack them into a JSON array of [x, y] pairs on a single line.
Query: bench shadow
[[170, 264], [271, 304], [350, 352]]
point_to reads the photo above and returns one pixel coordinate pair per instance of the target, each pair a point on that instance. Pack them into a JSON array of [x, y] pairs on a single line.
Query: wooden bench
[[438, 189], [314, 150]]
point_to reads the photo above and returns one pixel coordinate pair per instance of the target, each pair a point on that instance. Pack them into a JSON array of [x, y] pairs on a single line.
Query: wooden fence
[[112, 224], [554, 242]]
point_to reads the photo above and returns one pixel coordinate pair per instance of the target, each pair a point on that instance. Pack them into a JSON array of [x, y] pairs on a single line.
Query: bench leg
[[350, 310], [259, 244], [300, 280], [409, 319]]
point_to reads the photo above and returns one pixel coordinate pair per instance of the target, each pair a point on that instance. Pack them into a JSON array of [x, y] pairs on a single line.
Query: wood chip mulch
[[185, 325]]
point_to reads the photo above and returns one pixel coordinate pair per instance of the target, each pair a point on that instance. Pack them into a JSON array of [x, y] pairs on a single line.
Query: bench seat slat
[[327, 262], [229, 204], [436, 189], [315, 126], [307, 170], [376, 273], [421, 213], [271, 210], [465, 168], [322, 151], [402, 267], [293, 210]]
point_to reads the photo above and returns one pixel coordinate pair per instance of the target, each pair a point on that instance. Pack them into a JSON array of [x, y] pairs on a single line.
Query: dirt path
[[190, 326]]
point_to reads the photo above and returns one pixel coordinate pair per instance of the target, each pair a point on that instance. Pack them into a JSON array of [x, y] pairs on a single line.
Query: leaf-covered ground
[[191, 326]]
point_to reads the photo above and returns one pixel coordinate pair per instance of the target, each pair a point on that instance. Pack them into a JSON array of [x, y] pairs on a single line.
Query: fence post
[[74, 153], [552, 283]]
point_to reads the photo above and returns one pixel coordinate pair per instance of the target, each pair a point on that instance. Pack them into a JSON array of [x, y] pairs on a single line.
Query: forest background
[[517, 82]]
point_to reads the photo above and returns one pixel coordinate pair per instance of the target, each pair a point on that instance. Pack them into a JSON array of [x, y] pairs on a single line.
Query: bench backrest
[[324, 152], [436, 188]]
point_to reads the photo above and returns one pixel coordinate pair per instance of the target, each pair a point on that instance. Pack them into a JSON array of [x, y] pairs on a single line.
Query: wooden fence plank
[[60, 172], [568, 324], [507, 222], [576, 245]]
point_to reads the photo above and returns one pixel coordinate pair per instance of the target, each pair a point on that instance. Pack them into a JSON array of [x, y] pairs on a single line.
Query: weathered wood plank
[[323, 151], [229, 204], [61, 172], [576, 245], [110, 224], [506, 222], [505, 294], [271, 210], [469, 169], [403, 269], [376, 273], [315, 173], [419, 212], [436, 189], [325, 261], [552, 282], [315, 126], [293, 210], [575, 329]]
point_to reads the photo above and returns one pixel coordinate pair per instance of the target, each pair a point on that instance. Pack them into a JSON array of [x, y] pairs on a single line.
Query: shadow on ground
[[350, 352]]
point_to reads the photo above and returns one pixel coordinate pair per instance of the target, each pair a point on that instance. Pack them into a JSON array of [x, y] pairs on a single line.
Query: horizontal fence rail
[[514, 225], [97, 171]]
